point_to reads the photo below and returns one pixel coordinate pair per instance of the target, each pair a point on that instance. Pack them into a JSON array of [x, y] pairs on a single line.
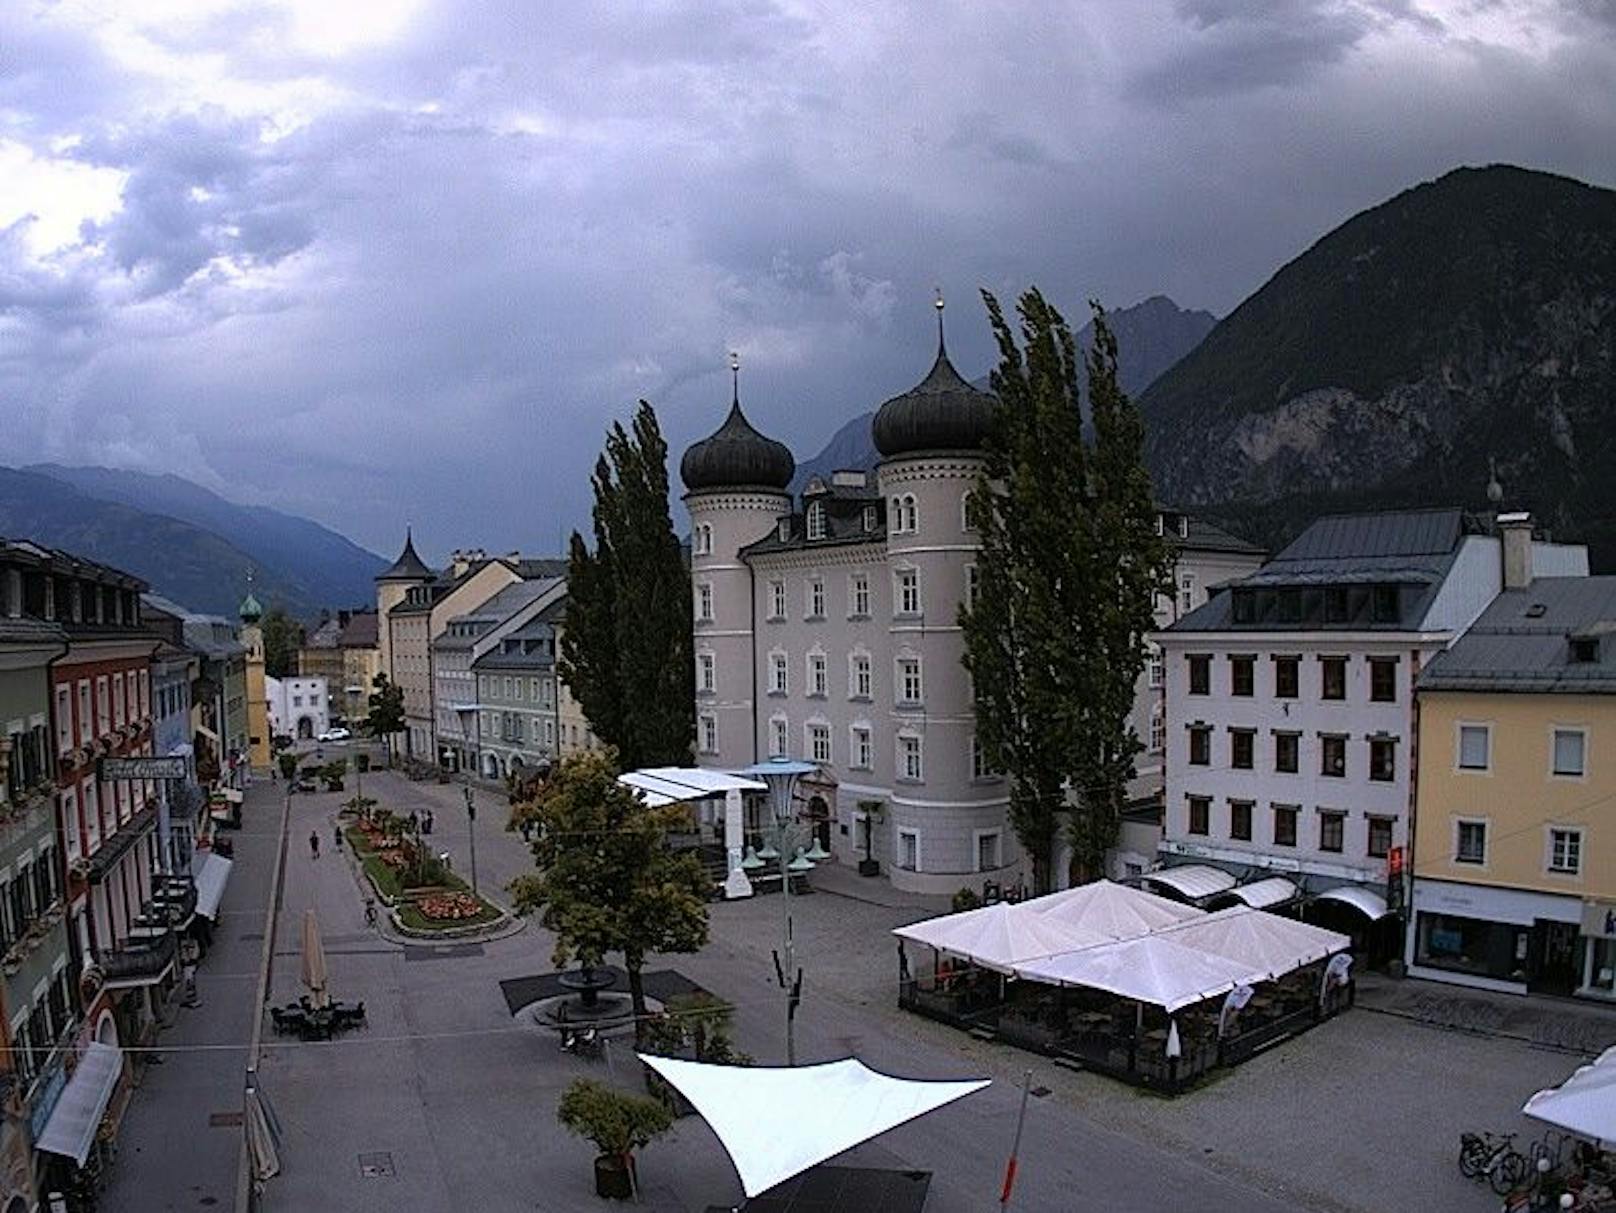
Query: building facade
[[223, 748], [516, 693], [1514, 886], [298, 707], [1290, 715]]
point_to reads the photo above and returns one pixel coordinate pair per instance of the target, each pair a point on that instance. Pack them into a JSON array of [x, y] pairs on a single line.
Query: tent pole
[[1015, 1145]]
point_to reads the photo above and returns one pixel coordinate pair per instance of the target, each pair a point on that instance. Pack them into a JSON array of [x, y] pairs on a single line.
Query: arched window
[[965, 512], [703, 544], [910, 513]]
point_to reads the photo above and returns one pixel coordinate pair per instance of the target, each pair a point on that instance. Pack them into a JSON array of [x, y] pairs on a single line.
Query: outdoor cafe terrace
[[1115, 979]]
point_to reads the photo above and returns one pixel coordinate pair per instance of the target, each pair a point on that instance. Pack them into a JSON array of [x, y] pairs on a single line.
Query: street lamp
[[781, 776], [471, 718]]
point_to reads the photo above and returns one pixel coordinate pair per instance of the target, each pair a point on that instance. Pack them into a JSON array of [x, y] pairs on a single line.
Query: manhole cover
[[224, 1120], [376, 1166], [252, 937]]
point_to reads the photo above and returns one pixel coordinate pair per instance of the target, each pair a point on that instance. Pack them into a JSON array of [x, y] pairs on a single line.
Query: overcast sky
[[389, 262]]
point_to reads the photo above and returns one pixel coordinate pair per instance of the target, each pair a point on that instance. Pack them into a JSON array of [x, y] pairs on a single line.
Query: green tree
[[1067, 578], [386, 715], [283, 636], [626, 647], [605, 880]]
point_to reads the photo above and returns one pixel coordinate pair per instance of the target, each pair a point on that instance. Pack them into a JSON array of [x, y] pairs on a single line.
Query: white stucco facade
[[298, 707]]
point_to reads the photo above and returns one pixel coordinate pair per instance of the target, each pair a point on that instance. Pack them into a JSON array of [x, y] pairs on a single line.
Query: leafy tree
[[283, 636], [288, 765], [386, 715], [606, 882], [1067, 577], [626, 648], [615, 1122]]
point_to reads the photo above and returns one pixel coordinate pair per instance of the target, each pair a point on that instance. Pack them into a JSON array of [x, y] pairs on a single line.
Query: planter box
[[613, 1177], [869, 867]]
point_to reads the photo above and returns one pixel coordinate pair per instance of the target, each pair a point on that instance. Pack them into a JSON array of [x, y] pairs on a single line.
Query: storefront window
[[1471, 945], [1602, 972]]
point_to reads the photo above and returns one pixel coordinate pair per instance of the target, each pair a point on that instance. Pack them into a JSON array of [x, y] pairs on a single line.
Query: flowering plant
[[449, 907]]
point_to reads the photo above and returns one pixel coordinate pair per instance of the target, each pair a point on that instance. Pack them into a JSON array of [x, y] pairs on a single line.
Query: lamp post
[[781, 776], [471, 718]]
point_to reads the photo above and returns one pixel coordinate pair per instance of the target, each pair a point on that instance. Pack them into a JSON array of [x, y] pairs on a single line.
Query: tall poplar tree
[[1067, 577], [627, 652]]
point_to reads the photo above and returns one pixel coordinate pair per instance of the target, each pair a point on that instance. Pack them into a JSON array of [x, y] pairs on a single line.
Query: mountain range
[[1463, 329], [191, 544], [1151, 336]]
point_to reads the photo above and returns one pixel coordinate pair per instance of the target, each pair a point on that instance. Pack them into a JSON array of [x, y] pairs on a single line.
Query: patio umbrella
[[262, 1147], [1175, 1047], [314, 973]]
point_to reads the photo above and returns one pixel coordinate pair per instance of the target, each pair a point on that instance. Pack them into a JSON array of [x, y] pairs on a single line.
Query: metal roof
[[1431, 532], [1524, 642]]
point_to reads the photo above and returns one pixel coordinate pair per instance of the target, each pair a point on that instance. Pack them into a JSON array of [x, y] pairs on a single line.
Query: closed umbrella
[[314, 973], [262, 1144]]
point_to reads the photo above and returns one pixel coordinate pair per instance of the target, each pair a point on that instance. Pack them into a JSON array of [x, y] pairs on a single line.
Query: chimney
[[1517, 535]]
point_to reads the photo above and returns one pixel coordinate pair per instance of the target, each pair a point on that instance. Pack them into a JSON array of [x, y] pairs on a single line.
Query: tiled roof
[[1557, 635], [361, 631]]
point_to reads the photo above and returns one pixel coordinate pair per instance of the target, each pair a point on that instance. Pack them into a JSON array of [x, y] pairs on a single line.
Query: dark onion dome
[[251, 611], [408, 566], [737, 456], [940, 413]]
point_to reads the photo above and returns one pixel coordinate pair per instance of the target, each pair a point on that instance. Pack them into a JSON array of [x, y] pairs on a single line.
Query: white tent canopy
[[1192, 880], [1264, 942], [1260, 894], [660, 786], [776, 1123], [999, 936], [1111, 911], [1584, 1104], [1152, 969]]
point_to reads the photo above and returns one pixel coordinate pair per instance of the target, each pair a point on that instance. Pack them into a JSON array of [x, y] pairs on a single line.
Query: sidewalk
[[1549, 1023], [181, 1138]]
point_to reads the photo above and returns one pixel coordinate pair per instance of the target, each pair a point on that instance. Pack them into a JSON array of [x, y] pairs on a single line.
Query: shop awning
[[210, 882], [1193, 880], [1367, 902], [1260, 894], [1584, 1104], [778, 1122], [71, 1129]]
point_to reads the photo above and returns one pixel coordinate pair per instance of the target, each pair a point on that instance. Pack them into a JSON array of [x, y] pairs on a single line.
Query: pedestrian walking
[[192, 999], [336, 837], [314, 844]]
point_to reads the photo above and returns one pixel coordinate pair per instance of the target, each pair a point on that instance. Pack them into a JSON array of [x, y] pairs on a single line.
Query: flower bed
[[449, 907]]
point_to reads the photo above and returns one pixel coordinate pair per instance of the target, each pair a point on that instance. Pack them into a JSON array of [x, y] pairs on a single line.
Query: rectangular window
[[1383, 680], [909, 850], [819, 742], [1186, 593], [64, 719], [86, 717], [1200, 745], [1474, 746], [1333, 676], [863, 679], [1470, 842], [103, 705], [1565, 851], [970, 587], [1287, 753], [1332, 831], [706, 673], [777, 600], [1242, 749], [1200, 674], [1200, 815], [1240, 820], [909, 688], [779, 738], [1287, 677], [1242, 676], [778, 683], [1158, 729], [704, 603], [862, 758], [816, 675], [908, 592], [1380, 837], [1285, 825], [120, 692], [1569, 745], [909, 764], [1333, 756], [816, 598], [859, 595], [987, 852], [1158, 667], [1383, 759]]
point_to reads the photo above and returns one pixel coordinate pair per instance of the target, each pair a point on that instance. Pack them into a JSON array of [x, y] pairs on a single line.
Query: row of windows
[[1287, 751], [47, 1022], [908, 749], [907, 679], [905, 596], [106, 807], [1284, 822], [1567, 750], [989, 850], [33, 889], [1562, 846], [1286, 677], [517, 688], [118, 699]]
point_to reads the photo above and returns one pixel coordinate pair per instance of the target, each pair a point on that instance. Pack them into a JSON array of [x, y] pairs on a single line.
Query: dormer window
[[1161, 528], [1183, 526], [816, 520], [785, 530], [870, 519], [1585, 650]]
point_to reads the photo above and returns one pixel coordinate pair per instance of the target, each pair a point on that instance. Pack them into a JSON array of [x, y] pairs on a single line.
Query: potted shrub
[[288, 764], [362, 762], [332, 773], [617, 1124]]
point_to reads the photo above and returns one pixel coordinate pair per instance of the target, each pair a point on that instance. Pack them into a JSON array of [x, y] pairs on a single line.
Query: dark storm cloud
[[408, 264]]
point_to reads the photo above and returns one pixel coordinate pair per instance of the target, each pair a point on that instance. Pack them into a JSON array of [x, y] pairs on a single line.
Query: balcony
[[142, 960], [174, 896]]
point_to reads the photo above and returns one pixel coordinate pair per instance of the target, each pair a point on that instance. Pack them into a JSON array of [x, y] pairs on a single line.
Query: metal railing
[[140, 961]]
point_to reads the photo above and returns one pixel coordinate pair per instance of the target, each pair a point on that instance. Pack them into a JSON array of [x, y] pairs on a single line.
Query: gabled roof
[[1524, 642]]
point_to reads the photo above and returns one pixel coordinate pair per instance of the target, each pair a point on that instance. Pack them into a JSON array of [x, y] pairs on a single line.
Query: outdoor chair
[[289, 1019]]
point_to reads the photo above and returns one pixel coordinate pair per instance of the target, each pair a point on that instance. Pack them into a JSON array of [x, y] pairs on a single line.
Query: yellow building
[[1514, 849], [252, 635], [572, 727]]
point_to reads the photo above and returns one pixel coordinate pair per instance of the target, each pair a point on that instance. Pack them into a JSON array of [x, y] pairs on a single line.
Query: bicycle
[[1493, 1158]]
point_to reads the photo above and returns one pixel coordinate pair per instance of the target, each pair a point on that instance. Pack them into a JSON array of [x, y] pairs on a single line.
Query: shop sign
[[143, 768], [1599, 919]]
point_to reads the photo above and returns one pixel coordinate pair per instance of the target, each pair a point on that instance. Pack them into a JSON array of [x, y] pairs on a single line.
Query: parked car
[[337, 734]]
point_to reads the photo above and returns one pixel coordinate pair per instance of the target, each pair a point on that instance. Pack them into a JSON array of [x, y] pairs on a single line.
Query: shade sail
[[1260, 894], [660, 786], [1584, 1104], [1366, 901], [1110, 910], [1263, 942], [999, 936], [210, 882], [1153, 969], [776, 1123], [1193, 880], [72, 1126]]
